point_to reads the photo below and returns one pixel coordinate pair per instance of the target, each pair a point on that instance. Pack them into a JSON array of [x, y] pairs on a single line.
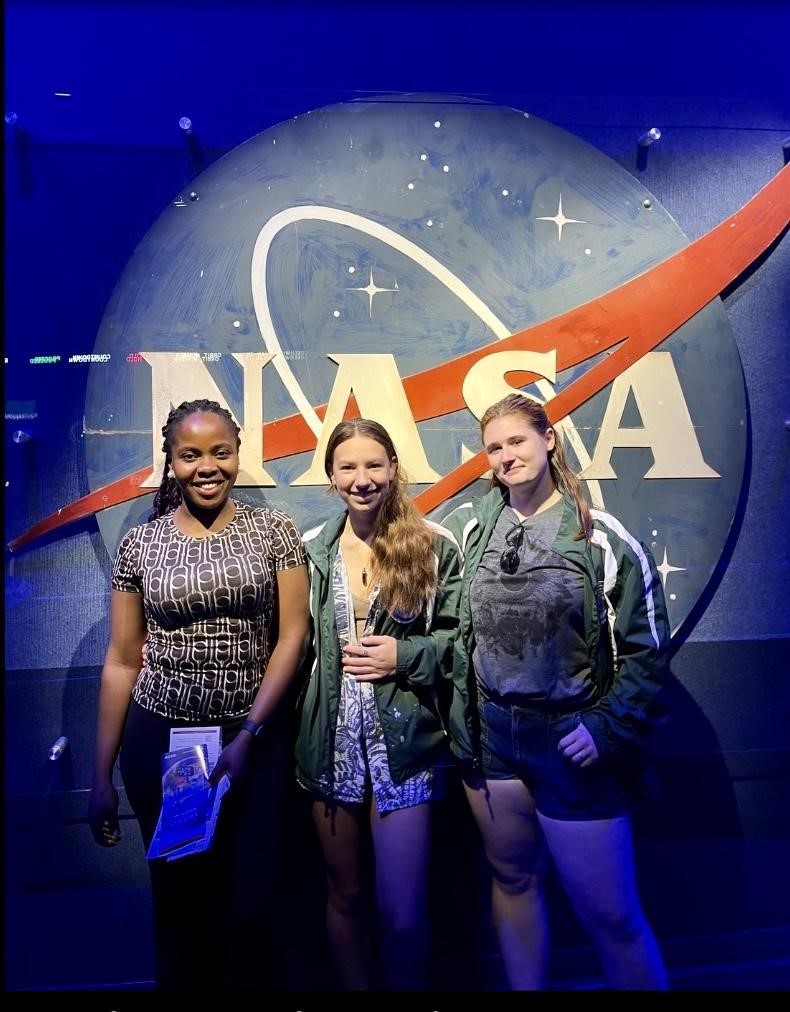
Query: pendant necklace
[[364, 569]]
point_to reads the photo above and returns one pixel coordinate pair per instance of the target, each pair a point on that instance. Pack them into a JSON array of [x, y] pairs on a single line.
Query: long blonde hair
[[564, 478], [402, 544]]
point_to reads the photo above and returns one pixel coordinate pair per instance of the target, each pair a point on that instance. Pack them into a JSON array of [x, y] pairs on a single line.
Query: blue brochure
[[190, 805]]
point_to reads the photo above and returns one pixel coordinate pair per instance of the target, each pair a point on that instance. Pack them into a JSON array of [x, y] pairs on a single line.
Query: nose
[[362, 478], [207, 465]]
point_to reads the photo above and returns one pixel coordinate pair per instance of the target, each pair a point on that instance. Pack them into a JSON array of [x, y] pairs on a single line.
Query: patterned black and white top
[[209, 605]]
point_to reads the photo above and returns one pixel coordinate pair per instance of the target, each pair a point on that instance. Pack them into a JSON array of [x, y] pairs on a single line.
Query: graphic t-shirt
[[209, 605], [529, 625]]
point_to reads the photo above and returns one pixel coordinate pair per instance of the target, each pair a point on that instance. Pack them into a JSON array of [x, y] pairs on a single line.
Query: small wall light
[[194, 153], [648, 137], [17, 136]]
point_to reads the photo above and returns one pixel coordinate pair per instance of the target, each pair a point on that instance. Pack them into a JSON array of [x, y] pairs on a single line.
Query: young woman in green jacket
[[560, 652], [384, 596]]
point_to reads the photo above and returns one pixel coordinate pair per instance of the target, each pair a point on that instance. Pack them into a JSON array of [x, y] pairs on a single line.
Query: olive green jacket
[[410, 704]]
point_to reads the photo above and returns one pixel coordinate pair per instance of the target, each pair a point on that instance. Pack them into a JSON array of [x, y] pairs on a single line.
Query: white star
[[372, 289], [560, 220], [665, 569]]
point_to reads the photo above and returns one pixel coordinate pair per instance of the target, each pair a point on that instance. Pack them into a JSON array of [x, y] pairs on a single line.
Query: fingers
[[367, 663], [356, 650], [361, 668], [219, 772], [357, 659], [361, 671], [582, 754], [581, 757], [107, 833], [579, 747], [111, 831]]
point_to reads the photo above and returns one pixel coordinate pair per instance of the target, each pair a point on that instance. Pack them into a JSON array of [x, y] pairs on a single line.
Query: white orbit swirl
[[316, 212]]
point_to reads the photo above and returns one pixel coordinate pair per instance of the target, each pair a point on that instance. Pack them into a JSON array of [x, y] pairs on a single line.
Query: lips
[[207, 488]]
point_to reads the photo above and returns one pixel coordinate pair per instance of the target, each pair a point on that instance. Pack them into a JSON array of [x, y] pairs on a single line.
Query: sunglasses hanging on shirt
[[508, 560]]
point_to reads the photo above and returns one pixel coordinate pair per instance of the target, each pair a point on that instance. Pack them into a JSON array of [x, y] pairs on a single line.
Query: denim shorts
[[521, 743]]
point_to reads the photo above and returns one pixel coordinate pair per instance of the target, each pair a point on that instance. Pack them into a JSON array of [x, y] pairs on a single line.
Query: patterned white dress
[[360, 750]]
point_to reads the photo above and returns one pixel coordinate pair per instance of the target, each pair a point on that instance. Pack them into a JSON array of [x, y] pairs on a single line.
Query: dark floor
[[78, 919], [766, 975], [771, 975], [759, 975]]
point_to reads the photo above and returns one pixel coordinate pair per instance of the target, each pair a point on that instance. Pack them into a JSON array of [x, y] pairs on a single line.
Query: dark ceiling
[[131, 70]]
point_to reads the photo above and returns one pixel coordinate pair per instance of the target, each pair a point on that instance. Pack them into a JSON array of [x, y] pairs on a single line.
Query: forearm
[[115, 694], [279, 677], [641, 641], [426, 661], [623, 714]]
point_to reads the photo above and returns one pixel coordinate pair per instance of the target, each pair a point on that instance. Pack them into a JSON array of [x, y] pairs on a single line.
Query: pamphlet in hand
[[190, 805]]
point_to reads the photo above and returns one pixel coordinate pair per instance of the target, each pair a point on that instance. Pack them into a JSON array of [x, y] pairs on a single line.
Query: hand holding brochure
[[190, 805]]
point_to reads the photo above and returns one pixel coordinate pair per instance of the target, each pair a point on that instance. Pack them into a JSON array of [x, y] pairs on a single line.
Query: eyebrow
[[214, 446], [501, 442]]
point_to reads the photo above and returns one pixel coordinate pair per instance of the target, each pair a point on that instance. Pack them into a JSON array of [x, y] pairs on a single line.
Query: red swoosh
[[638, 315]]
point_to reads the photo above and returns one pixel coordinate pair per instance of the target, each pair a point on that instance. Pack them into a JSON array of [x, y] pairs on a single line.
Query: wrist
[[101, 778], [251, 728]]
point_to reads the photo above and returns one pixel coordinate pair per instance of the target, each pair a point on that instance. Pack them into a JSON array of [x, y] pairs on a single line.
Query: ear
[[171, 473], [551, 438]]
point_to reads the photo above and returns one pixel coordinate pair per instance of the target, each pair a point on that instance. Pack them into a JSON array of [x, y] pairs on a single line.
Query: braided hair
[[561, 473], [168, 495]]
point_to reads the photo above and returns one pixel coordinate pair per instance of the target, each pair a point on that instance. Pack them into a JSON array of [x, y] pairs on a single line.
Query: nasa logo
[[382, 254]]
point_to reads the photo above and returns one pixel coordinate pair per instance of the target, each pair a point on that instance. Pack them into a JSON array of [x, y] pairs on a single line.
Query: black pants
[[215, 913]]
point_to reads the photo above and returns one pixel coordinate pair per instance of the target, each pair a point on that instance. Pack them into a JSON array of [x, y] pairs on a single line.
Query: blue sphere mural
[[364, 243]]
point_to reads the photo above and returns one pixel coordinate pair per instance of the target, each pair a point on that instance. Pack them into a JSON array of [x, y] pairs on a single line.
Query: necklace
[[356, 546], [364, 566]]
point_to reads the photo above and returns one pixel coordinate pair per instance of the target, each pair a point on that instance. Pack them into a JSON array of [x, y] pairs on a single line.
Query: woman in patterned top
[[384, 586], [212, 595]]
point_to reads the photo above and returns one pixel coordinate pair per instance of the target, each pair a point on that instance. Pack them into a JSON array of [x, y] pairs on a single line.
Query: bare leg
[[505, 814], [595, 862], [401, 841], [338, 828]]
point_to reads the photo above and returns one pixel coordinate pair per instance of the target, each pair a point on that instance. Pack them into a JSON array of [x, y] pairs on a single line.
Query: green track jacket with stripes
[[625, 617]]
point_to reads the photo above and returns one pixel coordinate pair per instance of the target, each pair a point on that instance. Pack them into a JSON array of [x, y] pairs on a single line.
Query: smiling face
[[518, 454], [205, 460], [361, 474]]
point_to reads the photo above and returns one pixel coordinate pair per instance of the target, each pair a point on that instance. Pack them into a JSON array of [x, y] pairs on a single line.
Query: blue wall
[[86, 177]]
